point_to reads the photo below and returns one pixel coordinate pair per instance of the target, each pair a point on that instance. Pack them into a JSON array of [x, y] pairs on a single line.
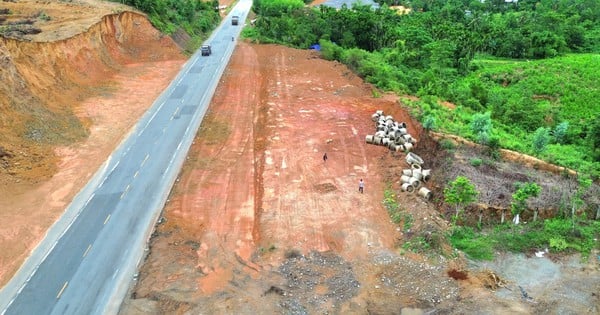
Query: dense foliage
[[457, 50], [196, 17]]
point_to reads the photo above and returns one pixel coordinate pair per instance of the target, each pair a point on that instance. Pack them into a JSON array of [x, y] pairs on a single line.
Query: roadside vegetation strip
[[196, 18]]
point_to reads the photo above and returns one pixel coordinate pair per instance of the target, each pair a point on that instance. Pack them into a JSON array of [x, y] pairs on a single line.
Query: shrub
[[476, 162], [447, 144]]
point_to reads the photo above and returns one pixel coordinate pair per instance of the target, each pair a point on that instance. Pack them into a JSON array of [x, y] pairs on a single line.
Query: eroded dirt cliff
[[67, 99]]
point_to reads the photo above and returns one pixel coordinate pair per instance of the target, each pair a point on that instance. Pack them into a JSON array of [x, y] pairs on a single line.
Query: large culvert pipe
[[408, 187], [412, 158], [416, 173], [379, 112], [369, 139], [407, 172], [415, 182], [398, 148], [426, 175], [374, 117], [408, 146], [425, 193], [405, 179], [377, 140]]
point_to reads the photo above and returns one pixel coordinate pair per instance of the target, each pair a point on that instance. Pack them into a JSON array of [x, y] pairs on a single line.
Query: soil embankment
[[67, 101]]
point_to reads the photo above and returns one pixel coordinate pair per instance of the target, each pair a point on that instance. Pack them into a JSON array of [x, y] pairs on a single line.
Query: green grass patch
[[558, 235]]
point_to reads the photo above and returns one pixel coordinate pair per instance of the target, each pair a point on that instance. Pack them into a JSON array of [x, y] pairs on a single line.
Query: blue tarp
[[316, 47]]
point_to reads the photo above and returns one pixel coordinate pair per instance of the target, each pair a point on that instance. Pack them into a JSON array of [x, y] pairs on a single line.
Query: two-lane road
[[86, 262]]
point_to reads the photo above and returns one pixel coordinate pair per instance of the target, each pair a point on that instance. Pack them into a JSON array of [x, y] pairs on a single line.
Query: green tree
[[460, 193], [541, 138], [429, 123], [481, 126], [593, 137], [520, 197], [560, 132]]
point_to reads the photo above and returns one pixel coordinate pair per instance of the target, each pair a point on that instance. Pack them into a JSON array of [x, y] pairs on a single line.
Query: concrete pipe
[[415, 166], [403, 124], [369, 139], [408, 146], [374, 117], [416, 173], [412, 158], [398, 148], [402, 131], [425, 193], [426, 175], [377, 140], [379, 112], [405, 179], [407, 137], [380, 134], [391, 135], [389, 117], [385, 141], [415, 182], [408, 187], [381, 127], [407, 172]]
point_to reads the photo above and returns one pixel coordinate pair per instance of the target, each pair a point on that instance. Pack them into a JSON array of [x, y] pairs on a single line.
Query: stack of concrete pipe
[[390, 133], [415, 176]]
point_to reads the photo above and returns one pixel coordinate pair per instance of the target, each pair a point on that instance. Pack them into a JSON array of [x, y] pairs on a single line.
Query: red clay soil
[[256, 191], [105, 77]]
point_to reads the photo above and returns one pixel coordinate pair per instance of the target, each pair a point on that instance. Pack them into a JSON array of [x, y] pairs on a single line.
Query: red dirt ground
[[255, 183]]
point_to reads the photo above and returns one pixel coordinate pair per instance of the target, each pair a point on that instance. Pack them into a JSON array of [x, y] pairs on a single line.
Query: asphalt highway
[[89, 257]]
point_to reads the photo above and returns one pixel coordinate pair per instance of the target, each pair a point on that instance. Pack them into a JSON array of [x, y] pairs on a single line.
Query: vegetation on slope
[[196, 18]]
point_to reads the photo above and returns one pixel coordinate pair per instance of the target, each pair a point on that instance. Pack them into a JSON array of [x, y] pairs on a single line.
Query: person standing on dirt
[[361, 186], [325, 157]]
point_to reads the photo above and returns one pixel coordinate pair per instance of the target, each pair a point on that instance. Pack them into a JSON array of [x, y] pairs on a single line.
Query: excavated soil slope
[[67, 99], [259, 223]]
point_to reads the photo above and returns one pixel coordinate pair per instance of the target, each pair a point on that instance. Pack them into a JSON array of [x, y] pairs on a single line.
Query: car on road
[[235, 20], [206, 51]]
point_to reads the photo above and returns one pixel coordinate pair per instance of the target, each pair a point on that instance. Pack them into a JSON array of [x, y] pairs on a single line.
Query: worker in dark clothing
[[325, 157]]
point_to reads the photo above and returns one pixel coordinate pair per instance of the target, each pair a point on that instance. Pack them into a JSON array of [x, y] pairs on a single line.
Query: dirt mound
[[64, 106]]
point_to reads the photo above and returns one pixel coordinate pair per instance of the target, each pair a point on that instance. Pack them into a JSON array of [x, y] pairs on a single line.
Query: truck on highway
[[206, 51], [235, 20]]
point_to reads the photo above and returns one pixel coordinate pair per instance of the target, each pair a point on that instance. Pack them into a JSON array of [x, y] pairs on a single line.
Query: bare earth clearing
[[258, 223]]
